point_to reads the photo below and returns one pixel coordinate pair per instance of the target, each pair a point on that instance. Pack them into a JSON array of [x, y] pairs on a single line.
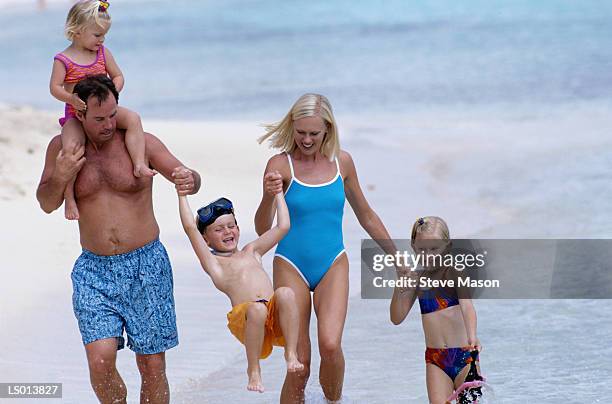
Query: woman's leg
[[330, 304], [295, 382]]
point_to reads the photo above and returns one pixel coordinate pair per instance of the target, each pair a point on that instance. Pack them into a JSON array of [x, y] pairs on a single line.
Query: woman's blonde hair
[[281, 134], [431, 225], [83, 13]]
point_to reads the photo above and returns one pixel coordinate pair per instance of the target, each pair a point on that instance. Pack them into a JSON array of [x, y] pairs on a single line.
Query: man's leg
[[151, 335], [154, 387], [105, 379]]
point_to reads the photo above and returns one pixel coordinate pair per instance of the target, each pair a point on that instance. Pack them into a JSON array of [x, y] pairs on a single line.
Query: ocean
[[492, 114], [251, 59]]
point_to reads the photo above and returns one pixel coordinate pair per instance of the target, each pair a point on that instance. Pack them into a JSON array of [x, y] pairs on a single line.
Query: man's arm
[[208, 261], [271, 237], [186, 180], [58, 170]]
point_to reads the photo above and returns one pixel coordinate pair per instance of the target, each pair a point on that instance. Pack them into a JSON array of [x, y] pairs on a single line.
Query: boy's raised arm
[[271, 237], [207, 259]]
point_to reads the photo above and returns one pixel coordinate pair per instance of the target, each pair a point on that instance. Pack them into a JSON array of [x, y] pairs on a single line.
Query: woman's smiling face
[[309, 133]]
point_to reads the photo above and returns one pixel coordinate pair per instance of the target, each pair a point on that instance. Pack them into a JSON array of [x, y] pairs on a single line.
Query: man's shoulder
[[151, 139]]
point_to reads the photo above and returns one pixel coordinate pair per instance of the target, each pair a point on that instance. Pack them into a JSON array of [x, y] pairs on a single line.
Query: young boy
[[260, 316]]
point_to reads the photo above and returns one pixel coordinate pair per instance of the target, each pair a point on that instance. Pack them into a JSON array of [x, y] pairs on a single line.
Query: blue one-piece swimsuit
[[314, 240]]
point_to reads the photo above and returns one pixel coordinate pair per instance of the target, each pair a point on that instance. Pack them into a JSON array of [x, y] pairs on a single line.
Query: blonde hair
[[431, 225], [83, 13], [280, 134]]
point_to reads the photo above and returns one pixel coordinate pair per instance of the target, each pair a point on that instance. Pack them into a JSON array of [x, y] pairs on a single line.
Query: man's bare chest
[[108, 170]]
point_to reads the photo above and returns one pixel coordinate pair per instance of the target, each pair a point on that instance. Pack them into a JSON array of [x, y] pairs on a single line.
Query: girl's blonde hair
[[281, 134], [83, 13], [431, 225]]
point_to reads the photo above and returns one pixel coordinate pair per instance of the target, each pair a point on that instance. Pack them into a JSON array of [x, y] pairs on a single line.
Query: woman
[[316, 176]]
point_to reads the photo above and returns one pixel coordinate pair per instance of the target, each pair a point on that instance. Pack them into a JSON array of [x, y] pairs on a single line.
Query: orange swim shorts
[[236, 322]]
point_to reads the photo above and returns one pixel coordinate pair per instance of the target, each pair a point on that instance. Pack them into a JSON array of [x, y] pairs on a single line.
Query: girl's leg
[[286, 314], [72, 135], [134, 140], [254, 335], [460, 379], [330, 304], [439, 385], [295, 382]]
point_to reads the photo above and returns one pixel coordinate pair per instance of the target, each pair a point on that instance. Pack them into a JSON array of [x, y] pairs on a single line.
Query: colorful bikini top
[[76, 72], [432, 300]]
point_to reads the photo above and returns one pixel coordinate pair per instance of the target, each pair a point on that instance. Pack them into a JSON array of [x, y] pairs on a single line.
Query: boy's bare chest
[[244, 267]]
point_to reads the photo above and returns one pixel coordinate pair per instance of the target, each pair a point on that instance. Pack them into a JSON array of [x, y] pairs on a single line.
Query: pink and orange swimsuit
[[76, 72]]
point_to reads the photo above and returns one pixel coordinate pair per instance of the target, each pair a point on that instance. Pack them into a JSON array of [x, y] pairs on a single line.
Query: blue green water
[[250, 59]]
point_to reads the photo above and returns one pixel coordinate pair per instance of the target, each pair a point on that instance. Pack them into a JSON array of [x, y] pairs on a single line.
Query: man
[[123, 279]]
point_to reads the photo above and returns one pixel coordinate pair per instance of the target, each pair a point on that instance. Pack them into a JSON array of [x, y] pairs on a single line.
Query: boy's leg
[[286, 314], [105, 379], [154, 387], [72, 135], [256, 316], [134, 140]]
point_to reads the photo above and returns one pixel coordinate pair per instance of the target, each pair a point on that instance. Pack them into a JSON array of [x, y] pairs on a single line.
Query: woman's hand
[[273, 183]]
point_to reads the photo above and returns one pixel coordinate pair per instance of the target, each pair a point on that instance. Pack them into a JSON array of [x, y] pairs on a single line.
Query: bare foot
[[71, 212], [255, 383], [293, 364], [141, 170]]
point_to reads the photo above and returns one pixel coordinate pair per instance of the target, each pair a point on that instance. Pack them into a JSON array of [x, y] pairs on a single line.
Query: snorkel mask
[[209, 213]]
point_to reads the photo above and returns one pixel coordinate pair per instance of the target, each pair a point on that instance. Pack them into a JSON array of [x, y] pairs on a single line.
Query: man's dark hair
[[99, 86]]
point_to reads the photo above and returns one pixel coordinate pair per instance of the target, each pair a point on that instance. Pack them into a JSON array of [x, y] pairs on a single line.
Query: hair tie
[[104, 5], [421, 221]]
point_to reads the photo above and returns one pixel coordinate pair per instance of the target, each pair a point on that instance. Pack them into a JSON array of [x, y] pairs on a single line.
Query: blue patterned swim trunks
[[131, 291]]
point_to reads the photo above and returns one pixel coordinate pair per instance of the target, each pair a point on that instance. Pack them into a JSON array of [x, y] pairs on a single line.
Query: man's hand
[[67, 165], [273, 183], [184, 180]]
